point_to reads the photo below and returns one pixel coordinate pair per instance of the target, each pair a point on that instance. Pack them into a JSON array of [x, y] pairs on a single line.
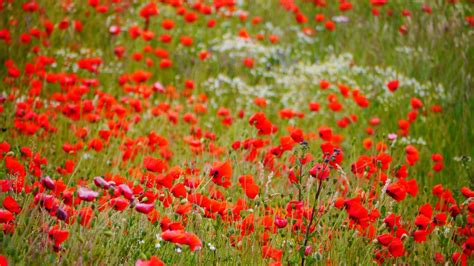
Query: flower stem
[[320, 185]]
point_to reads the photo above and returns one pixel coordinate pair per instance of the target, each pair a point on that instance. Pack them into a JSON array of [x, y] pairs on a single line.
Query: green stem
[[320, 185]]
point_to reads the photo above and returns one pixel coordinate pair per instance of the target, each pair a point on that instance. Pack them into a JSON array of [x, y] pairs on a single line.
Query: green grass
[[445, 55]]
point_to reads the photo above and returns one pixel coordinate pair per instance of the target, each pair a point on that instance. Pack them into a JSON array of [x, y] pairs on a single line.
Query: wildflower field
[[236, 132]]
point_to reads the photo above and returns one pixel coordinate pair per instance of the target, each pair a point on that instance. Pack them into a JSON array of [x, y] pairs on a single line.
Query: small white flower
[[340, 19]]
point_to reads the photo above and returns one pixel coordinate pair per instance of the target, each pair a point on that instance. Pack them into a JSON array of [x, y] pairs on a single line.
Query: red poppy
[[3, 261], [150, 9], [297, 135], [248, 62], [396, 248], [11, 205], [320, 171], [87, 194], [221, 173], [58, 235], [183, 238], [119, 204], [6, 216], [248, 185], [264, 126], [270, 252], [85, 214], [154, 164], [153, 261]]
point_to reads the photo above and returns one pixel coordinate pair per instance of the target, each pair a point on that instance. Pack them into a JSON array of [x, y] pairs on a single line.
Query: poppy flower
[[150, 9], [248, 185], [119, 204], [440, 219], [314, 107], [11, 205], [190, 17], [467, 192], [319, 17], [186, 40], [358, 214], [100, 182], [301, 18], [416, 103], [297, 135], [385, 239], [183, 238], [439, 258], [330, 25], [325, 133], [165, 63], [58, 235], [270, 252], [378, 2], [167, 24], [320, 171], [412, 154], [221, 173], [280, 222], [126, 191], [248, 62], [396, 248], [87, 194], [203, 55], [3, 261], [144, 208], [264, 126], [153, 261], [292, 177], [397, 191], [420, 236], [154, 164], [6, 216], [403, 29], [85, 215]]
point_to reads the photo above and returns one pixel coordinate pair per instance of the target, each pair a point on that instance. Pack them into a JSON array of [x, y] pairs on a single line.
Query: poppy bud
[[308, 250], [144, 208], [87, 194], [48, 182], [100, 182], [61, 214], [280, 222], [126, 191]]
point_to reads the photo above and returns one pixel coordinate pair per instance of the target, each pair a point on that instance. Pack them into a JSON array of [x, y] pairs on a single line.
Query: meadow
[[236, 132]]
